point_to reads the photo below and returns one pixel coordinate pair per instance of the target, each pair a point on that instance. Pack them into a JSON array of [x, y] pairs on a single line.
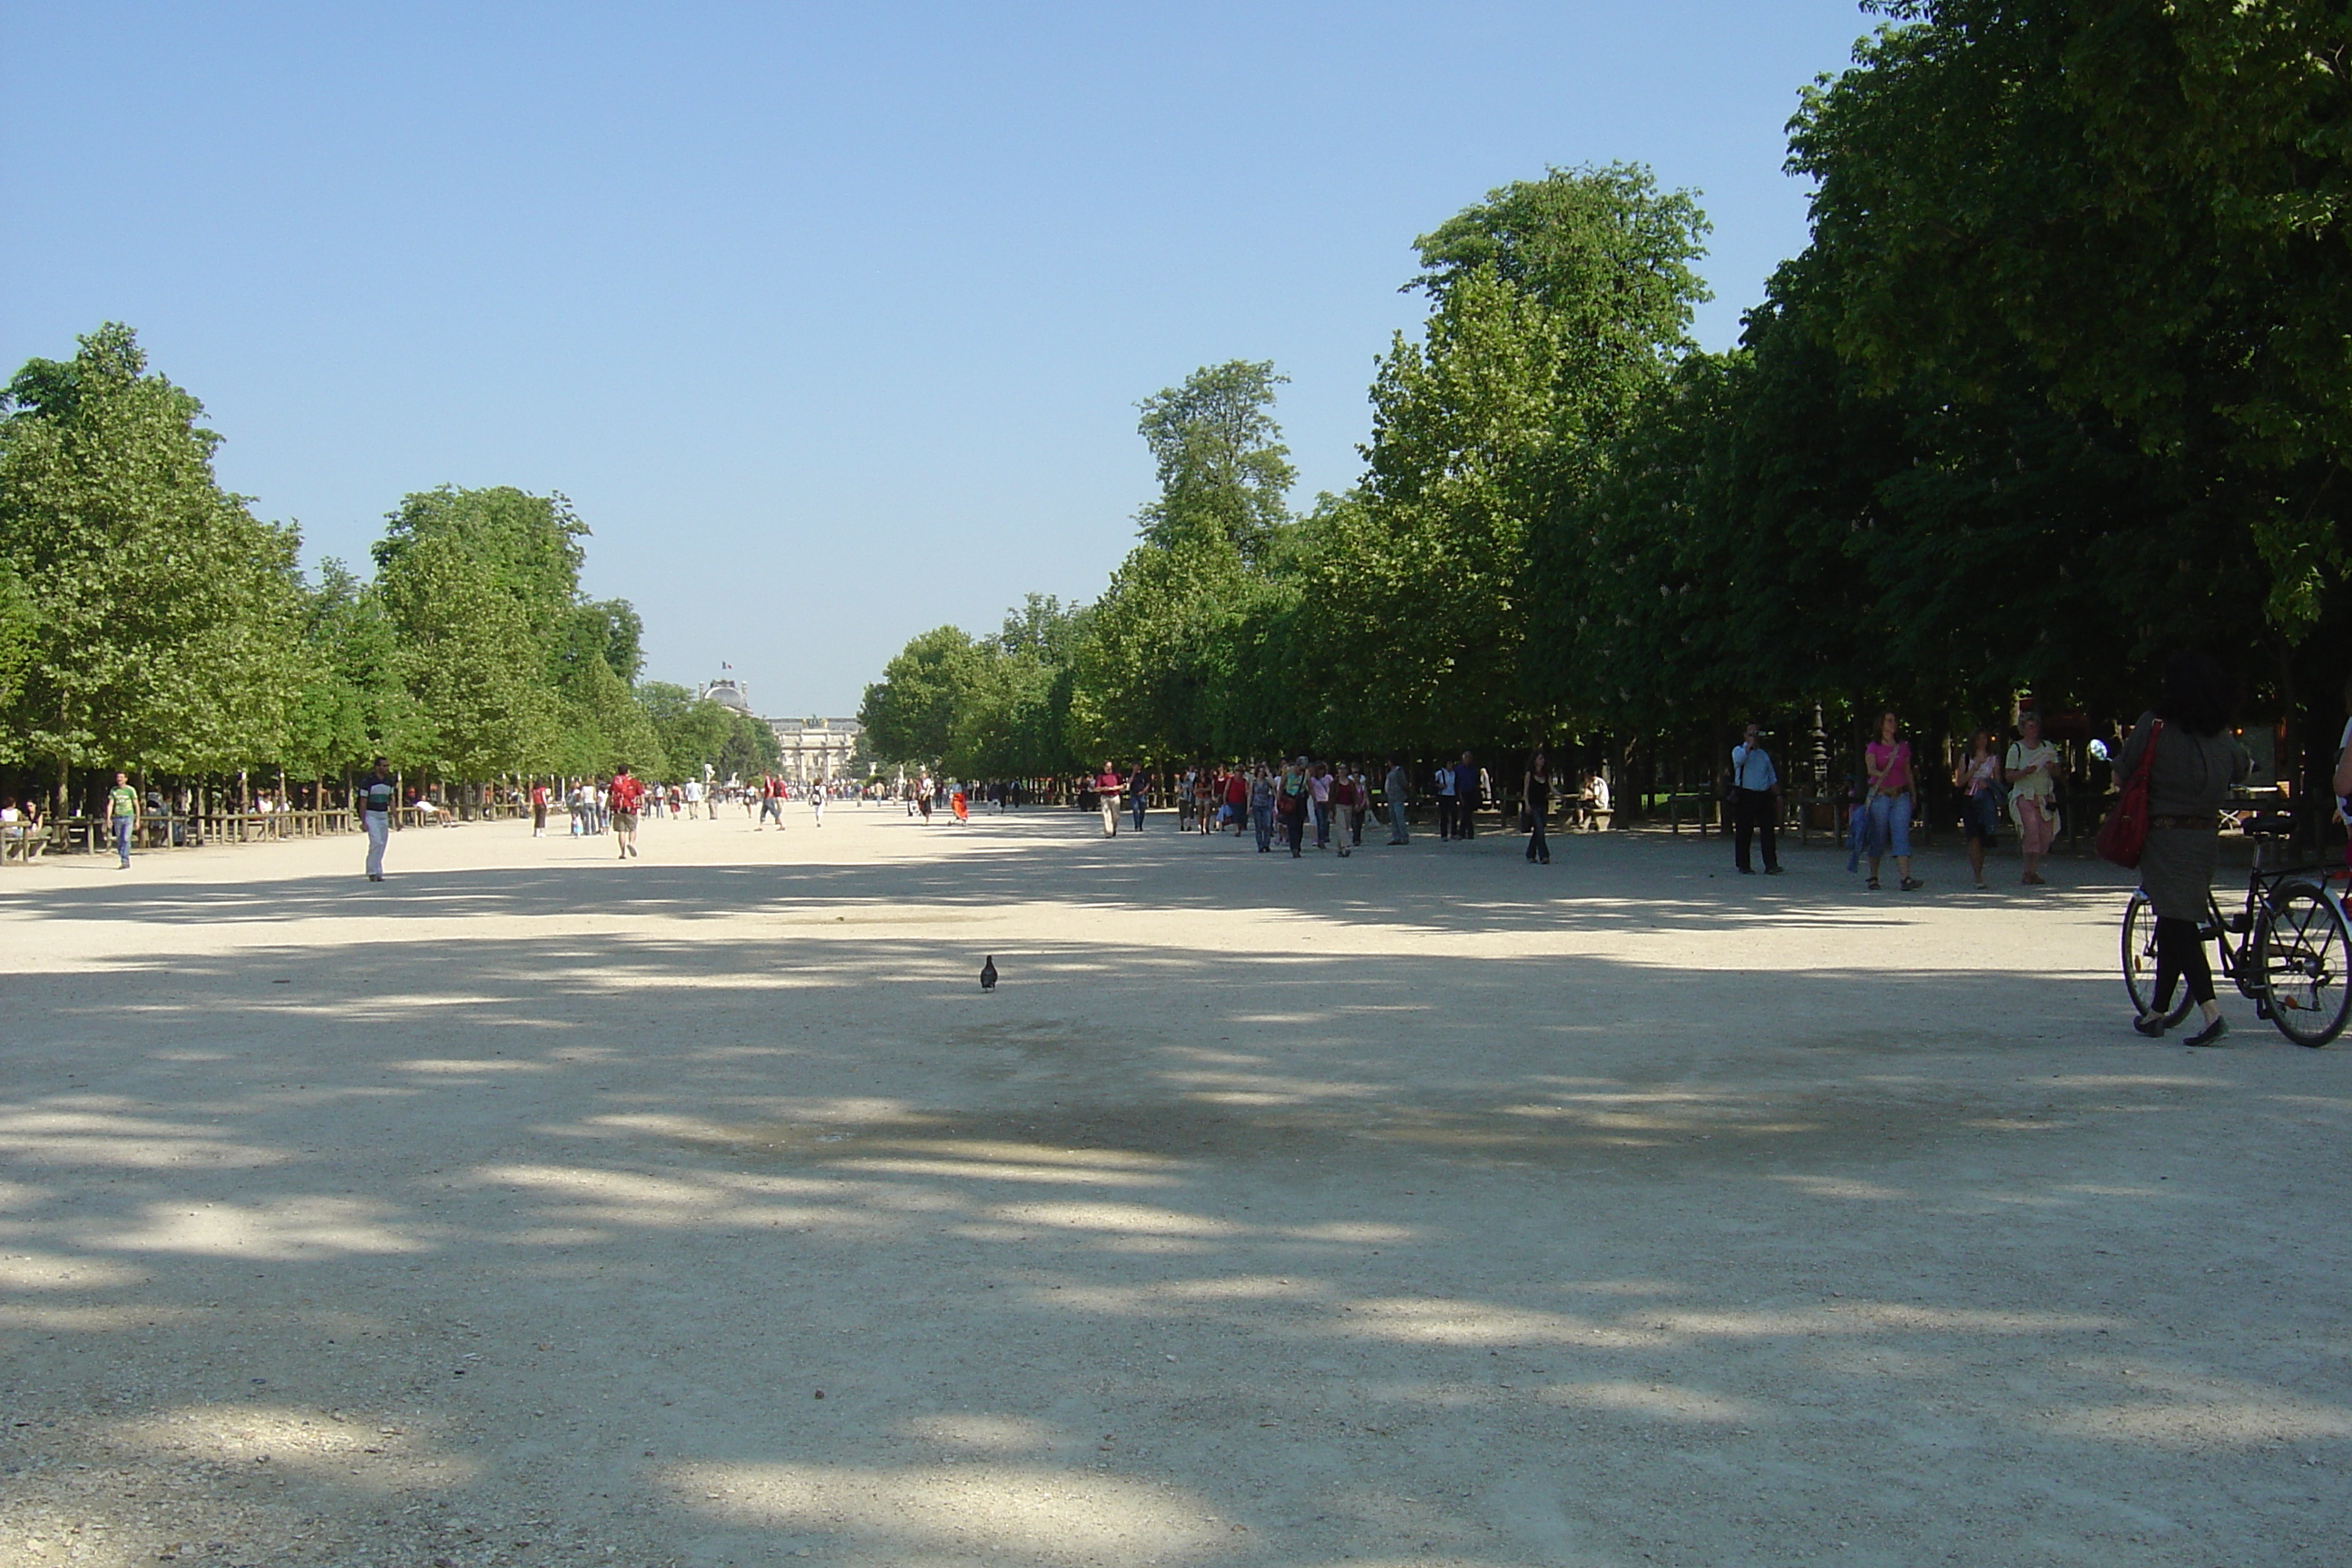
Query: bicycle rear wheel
[[2304, 955]]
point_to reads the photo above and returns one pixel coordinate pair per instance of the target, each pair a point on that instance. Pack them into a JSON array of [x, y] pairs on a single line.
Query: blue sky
[[830, 320]]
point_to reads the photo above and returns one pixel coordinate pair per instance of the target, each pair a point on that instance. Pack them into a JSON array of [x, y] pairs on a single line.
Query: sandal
[[1873, 884]]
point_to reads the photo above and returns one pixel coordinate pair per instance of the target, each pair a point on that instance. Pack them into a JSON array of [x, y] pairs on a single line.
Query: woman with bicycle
[[2194, 766]]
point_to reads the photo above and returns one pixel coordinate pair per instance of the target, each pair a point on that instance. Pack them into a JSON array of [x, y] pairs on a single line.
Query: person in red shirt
[[1107, 793], [539, 811], [625, 795], [1237, 800]]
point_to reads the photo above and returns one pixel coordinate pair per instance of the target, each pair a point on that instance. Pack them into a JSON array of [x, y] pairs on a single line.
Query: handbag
[[2122, 836]]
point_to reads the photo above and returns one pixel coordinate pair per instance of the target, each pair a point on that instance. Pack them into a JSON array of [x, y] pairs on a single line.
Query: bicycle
[[2294, 958]]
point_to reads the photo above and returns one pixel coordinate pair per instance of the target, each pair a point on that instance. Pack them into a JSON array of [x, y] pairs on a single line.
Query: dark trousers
[[1752, 816], [1539, 846], [1466, 814], [1293, 829], [1445, 816], [2180, 953]]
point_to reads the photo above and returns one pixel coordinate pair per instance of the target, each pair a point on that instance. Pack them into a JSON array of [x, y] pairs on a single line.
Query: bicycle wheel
[[2140, 951], [2304, 955]]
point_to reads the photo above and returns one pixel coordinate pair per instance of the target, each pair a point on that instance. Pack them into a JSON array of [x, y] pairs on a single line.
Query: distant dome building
[[727, 692], [806, 748]]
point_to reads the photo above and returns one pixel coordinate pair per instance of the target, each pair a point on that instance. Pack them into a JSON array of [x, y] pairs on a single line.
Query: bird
[[988, 973]]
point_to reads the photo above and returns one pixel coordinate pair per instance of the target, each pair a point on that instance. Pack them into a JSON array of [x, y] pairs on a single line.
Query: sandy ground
[[1423, 1207]]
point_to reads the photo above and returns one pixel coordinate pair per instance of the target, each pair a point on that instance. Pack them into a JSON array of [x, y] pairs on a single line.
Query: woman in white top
[[2032, 769]]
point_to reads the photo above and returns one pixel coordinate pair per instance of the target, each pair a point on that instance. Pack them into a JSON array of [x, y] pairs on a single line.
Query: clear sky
[[830, 320]]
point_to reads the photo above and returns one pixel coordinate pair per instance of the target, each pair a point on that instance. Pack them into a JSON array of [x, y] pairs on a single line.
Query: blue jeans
[[1322, 824], [1397, 833], [1890, 824], [121, 826], [1262, 818]]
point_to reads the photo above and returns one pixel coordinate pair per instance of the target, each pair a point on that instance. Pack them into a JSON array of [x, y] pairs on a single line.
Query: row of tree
[[149, 621], [2061, 383]]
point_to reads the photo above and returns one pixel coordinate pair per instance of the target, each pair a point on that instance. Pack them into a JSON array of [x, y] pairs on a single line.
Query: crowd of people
[[1280, 803]]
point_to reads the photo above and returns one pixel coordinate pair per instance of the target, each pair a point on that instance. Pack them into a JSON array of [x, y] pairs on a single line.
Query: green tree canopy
[[167, 614]]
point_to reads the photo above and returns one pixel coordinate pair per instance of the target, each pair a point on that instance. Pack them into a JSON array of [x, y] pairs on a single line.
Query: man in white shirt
[[1444, 802], [1755, 802]]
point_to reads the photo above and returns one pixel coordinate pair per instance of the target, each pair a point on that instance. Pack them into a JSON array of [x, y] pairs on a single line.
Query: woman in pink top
[[1889, 762]]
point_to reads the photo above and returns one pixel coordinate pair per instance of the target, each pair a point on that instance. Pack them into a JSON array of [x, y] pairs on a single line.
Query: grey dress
[[2193, 776]]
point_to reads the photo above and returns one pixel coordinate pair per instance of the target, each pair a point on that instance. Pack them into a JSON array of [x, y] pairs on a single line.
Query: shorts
[[624, 822], [1980, 818]]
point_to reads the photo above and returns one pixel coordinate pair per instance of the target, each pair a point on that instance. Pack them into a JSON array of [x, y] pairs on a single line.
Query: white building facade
[[807, 748], [818, 748]]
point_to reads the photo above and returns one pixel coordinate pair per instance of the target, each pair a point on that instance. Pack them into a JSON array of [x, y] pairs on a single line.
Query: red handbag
[[2122, 836]]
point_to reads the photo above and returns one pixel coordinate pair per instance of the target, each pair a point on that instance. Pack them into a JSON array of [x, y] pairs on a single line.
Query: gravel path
[[1423, 1208]]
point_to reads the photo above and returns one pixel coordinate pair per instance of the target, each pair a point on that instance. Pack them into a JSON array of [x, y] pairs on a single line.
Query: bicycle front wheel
[[2304, 956], [2139, 953]]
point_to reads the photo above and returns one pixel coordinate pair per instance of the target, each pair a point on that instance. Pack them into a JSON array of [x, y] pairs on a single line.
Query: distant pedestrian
[[1466, 797], [539, 811], [1318, 797], [2032, 771], [1294, 793], [1398, 787], [123, 816], [377, 796], [1978, 778], [1139, 796], [817, 801], [1755, 803], [1237, 791], [1538, 792], [1107, 787], [1445, 805], [1261, 807], [1892, 791], [625, 793]]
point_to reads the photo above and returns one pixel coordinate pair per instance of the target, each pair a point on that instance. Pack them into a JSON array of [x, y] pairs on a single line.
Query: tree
[[1223, 470], [1150, 671], [1015, 721], [693, 733], [909, 716], [167, 613], [1558, 305], [470, 656], [18, 622]]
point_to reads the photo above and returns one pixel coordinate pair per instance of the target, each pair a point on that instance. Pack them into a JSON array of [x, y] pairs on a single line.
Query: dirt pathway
[[1424, 1208]]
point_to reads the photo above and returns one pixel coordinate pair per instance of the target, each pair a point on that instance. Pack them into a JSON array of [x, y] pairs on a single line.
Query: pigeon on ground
[[988, 973]]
